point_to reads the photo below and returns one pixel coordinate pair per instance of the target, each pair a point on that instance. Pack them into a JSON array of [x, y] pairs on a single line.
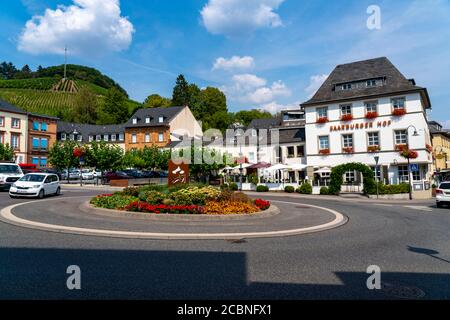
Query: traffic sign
[[414, 167]]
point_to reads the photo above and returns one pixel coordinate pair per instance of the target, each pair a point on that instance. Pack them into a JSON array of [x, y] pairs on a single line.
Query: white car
[[9, 173], [443, 194], [36, 185], [87, 175]]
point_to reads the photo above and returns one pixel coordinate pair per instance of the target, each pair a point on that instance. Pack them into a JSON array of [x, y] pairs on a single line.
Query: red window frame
[[18, 141], [2, 124]]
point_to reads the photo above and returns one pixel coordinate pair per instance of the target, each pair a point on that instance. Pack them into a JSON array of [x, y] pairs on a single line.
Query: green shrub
[[305, 188], [253, 179], [224, 186], [152, 197], [131, 191], [262, 188], [390, 189], [233, 186], [324, 191], [115, 201], [195, 195], [289, 189]]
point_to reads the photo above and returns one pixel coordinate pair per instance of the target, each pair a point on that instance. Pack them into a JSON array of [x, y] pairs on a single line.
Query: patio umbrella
[[278, 167], [260, 165], [298, 167]]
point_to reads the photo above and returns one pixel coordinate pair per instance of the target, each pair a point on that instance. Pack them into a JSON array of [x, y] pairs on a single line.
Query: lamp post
[[415, 134], [377, 160]]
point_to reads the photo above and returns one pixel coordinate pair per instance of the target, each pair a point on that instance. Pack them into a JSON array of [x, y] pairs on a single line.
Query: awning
[[260, 165], [278, 167], [323, 170], [297, 167]]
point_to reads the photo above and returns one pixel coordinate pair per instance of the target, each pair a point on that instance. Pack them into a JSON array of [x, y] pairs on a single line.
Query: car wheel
[[12, 197], [41, 194], [58, 191], [439, 205]]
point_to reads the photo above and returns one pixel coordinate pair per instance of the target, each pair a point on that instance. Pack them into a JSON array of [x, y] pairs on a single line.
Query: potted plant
[[409, 154], [371, 115], [373, 149], [347, 150], [322, 120], [347, 117], [324, 152], [399, 112], [400, 147]]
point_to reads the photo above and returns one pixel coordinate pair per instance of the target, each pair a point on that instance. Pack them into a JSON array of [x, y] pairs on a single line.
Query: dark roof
[[42, 116], [153, 114], [292, 135], [5, 106], [87, 130], [265, 123], [394, 82]]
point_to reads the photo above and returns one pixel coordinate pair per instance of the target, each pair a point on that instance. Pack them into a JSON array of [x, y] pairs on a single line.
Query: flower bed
[[186, 199]]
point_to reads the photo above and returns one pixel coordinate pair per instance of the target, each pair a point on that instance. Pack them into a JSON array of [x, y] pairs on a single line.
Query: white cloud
[[86, 27], [266, 94], [315, 82], [235, 17], [274, 107], [243, 82], [233, 63]]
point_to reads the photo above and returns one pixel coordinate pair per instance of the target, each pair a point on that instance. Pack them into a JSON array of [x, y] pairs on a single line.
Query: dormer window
[[80, 138], [91, 138], [105, 138], [147, 120], [371, 83], [63, 137], [98, 138], [347, 86], [134, 120], [161, 119]]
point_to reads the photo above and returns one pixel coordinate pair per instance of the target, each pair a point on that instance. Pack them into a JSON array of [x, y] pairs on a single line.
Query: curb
[[8, 217]]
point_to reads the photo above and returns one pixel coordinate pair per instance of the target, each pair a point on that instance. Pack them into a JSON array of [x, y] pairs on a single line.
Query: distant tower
[[65, 62]]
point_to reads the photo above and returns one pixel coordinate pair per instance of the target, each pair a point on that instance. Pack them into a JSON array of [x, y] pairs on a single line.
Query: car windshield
[[445, 186], [32, 178], [9, 168]]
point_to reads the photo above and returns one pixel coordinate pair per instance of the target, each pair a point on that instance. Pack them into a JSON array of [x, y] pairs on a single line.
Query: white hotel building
[[351, 119]]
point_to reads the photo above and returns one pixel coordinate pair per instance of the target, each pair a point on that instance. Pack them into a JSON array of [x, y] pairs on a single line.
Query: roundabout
[[78, 217]]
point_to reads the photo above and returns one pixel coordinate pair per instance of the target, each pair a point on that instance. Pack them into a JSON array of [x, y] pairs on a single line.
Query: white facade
[[14, 131], [384, 126]]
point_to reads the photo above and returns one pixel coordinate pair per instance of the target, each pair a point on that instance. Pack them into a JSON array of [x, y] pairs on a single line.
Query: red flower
[[373, 149], [347, 117], [324, 151], [262, 204], [322, 120], [78, 152], [347, 150], [371, 115], [401, 147], [409, 154], [429, 148], [399, 112], [140, 206], [105, 195]]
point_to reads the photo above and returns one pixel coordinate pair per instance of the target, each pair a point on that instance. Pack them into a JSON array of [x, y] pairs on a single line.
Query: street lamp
[[415, 134]]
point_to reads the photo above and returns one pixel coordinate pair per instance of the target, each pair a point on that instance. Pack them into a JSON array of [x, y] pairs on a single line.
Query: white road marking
[[419, 208]]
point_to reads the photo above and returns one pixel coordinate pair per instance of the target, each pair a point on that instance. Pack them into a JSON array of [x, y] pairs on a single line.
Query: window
[[403, 175], [72, 137], [2, 138], [35, 126], [113, 137], [43, 126], [15, 141], [347, 140], [35, 161], [300, 151], [63, 137], [290, 152], [106, 138], [160, 137], [346, 109], [161, 119], [135, 121], [350, 176], [398, 103], [401, 137], [91, 138], [98, 138], [371, 106], [147, 137], [324, 143], [121, 136], [2, 121], [147, 120], [347, 86], [44, 164], [133, 138], [254, 132], [35, 143], [80, 138], [416, 175], [371, 83], [373, 139], [252, 157], [322, 112], [44, 143], [15, 123]]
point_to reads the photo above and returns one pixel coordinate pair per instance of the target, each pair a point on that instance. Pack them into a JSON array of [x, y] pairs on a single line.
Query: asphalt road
[[409, 243]]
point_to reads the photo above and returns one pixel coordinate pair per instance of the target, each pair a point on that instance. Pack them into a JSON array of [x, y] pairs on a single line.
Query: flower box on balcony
[[400, 147], [373, 148], [399, 112], [409, 154], [371, 115], [322, 120], [347, 117], [324, 152], [347, 150]]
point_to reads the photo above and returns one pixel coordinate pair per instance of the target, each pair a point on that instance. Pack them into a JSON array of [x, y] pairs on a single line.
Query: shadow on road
[[427, 252], [115, 274]]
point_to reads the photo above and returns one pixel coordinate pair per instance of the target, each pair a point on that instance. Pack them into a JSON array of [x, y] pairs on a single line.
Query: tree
[[180, 96], [26, 69], [195, 101], [114, 109], [220, 120], [7, 70], [6, 152], [85, 110], [213, 101], [156, 101], [244, 117], [133, 159], [104, 156], [61, 156]]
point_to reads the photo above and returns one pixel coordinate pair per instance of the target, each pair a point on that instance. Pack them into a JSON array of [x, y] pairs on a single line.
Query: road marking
[[7, 216], [419, 208], [383, 205]]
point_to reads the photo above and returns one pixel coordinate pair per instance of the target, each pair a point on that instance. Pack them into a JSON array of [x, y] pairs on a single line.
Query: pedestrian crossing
[[417, 208]]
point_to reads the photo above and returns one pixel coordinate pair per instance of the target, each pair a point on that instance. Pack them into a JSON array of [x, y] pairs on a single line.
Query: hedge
[[289, 189], [262, 189], [305, 188], [390, 189]]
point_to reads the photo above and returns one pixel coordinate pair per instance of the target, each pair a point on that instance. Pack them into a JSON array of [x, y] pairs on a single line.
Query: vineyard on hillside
[[66, 85], [35, 84]]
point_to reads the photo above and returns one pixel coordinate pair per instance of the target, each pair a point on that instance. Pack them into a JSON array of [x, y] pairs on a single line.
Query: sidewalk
[[338, 198], [90, 186]]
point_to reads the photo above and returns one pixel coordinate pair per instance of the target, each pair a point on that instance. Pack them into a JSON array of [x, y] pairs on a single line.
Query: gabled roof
[[292, 135], [7, 107], [379, 68], [87, 130], [154, 114], [265, 123]]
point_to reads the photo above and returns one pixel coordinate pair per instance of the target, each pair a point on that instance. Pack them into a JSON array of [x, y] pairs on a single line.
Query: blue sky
[[268, 54]]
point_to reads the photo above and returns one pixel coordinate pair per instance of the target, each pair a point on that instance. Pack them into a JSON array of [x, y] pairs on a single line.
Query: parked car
[[443, 194], [54, 171], [87, 174], [36, 185], [117, 175], [134, 173], [9, 173]]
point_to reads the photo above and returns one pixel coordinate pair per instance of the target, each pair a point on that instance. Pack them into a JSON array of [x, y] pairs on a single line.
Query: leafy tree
[[213, 101], [85, 110], [7, 70], [26, 69], [133, 159], [180, 96], [195, 101], [104, 156], [220, 120], [61, 156], [6, 152], [156, 101], [246, 116], [115, 108]]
